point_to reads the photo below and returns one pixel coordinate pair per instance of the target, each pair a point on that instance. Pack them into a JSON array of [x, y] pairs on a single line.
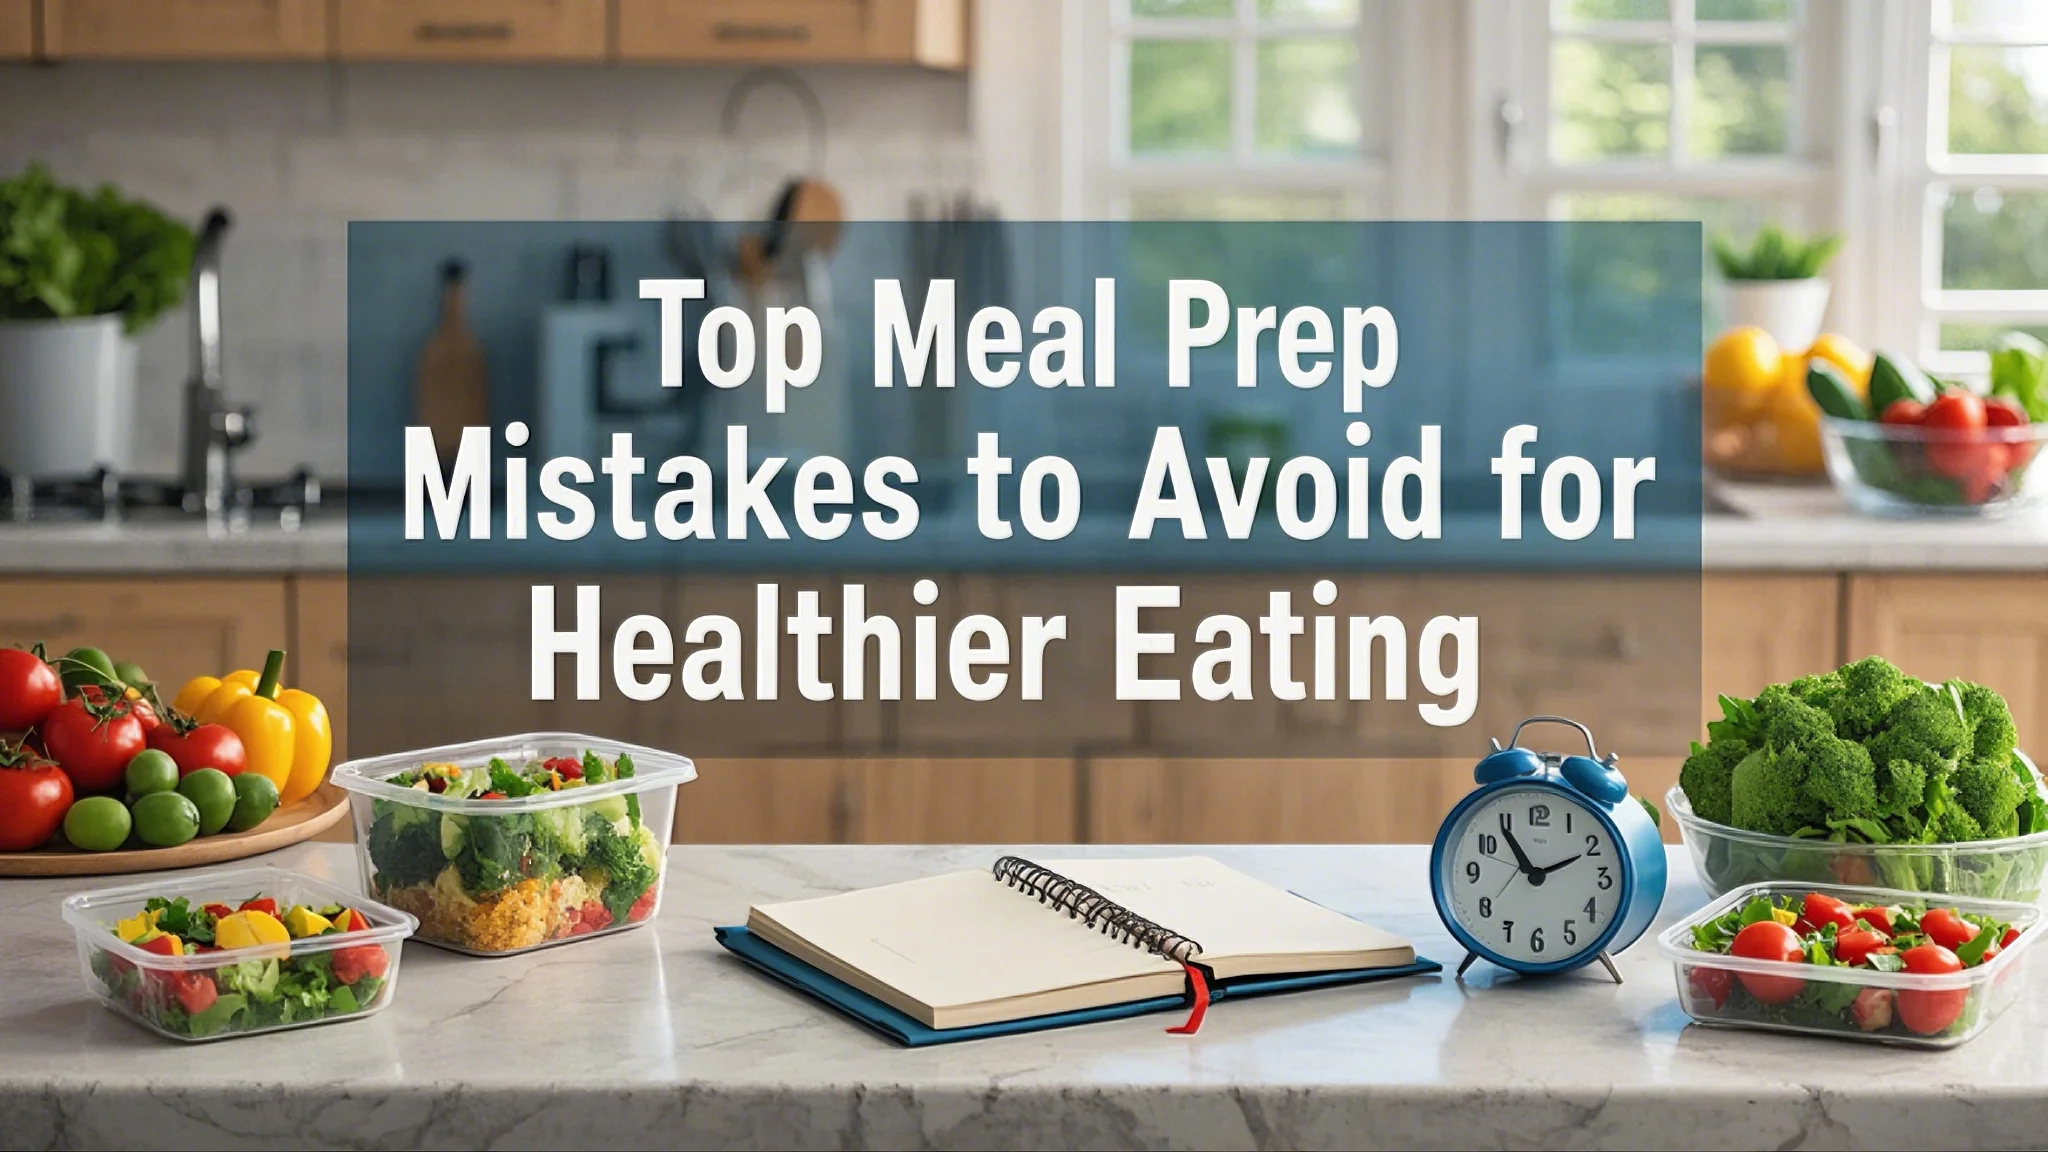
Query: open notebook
[[1038, 940]]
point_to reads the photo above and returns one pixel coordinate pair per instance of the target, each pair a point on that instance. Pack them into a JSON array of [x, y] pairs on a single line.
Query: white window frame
[[1112, 176], [1924, 173]]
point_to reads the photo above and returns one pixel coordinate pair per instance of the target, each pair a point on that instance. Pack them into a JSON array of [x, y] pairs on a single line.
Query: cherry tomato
[[1956, 447], [1905, 413], [1947, 929], [1878, 917], [1855, 946], [195, 991], [1770, 940], [29, 689], [206, 746], [217, 910], [262, 904], [2004, 412], [1872, 1009], [1711, 983], [93, 750], [1819, 911], [1929, 1011], [34, 795], [2011, 934]]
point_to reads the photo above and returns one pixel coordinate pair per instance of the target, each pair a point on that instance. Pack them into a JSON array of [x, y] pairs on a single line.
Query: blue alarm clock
[[1550, 863]]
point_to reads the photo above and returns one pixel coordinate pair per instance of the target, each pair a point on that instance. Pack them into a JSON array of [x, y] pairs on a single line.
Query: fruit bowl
[[1905, 470]]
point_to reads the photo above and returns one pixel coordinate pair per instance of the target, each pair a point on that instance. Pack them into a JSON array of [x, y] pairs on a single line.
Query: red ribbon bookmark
[[1201, 1008]]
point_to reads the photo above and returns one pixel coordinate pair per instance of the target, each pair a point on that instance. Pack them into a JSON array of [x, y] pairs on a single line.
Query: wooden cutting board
[[450, 388], [287, 826]]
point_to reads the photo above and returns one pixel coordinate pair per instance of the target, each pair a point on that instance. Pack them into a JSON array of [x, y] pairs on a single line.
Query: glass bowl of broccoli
[[1866, 776]]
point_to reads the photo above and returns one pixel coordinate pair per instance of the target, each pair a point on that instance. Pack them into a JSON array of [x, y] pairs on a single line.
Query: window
[[1237, 109], [1979, 187]]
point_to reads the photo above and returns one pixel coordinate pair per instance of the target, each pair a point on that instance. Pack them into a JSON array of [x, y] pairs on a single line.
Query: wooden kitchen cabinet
[[879, 800], [766, 801], [319, 648], [1992, 629], [1758, 629], [470, 29], [932, 33], [184, 29], [17, 29], [174, 627], [1301, 801]]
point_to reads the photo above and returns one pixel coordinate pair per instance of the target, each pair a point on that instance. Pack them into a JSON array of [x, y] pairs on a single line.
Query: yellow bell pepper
[[137, 926], [312, 744], [248, 676], [194, 694], [264, 725], [214, 709], [302, 921]]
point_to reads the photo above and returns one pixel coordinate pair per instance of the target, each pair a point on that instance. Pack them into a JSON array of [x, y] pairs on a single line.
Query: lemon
[[249, 929], [1796, 419], [1742, 370], [1843, 353]]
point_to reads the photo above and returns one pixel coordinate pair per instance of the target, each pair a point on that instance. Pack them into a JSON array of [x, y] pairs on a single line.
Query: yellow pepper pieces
[[302, 921], [285, 732], [1785, 916], [249, 928], [136, 927]]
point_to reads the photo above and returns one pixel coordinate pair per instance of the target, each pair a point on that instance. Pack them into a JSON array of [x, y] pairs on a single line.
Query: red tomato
[[1930, 1011], [1872, 1009], [217, 910], [162, 945], [195, 991], [363, 960], [351, 920], [1878, 917], [2003, 412], [92, 750], [1770, 940], [2011, 934], [1711, 983], [34, 795], [1819, 911], [1947, 929], [260, 904], [1855, 946], [644, 906], [206, 746], [1903, 413], [1956, 447], [29, 689]]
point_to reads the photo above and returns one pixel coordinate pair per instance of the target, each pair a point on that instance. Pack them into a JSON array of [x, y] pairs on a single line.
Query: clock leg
[[1607, 962], [1469, 958]]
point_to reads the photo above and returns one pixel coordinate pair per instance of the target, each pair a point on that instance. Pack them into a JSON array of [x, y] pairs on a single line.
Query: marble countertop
[[656, 1038]]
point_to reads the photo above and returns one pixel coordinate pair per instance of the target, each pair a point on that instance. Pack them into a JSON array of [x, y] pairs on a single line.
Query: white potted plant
[[1776, 283], [80, 274]]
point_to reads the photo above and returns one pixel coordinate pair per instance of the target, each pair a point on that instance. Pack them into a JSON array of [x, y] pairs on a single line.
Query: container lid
[[87, 913], [652, 768]]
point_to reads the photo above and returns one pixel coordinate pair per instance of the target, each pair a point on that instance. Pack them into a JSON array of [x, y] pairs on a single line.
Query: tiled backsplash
[[295, 151]]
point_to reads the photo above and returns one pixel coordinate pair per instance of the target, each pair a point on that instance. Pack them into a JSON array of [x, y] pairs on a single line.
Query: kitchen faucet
[[214, 428]]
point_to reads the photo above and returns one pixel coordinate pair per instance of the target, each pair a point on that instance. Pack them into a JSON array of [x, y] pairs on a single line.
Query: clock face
[[1532, 874]]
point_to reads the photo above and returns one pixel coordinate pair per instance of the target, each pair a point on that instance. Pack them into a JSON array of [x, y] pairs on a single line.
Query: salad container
[[240, 991], [1712, 992], [493, 863], [1727, 858]]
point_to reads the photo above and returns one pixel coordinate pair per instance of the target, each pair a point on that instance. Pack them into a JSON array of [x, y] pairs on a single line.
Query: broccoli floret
[[1708, 775], [1841, 779], [1901, 788], [1869, 690], [1768, 794], [1956, 825], [1924, 728], [405, 851], [1990, 792], [1789, 721], [628, 873], [1992, 735], [1823, 692]]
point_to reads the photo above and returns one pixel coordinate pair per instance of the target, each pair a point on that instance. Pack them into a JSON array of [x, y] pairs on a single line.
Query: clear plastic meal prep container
[[1711, 988], [261, 988], [500, 877]]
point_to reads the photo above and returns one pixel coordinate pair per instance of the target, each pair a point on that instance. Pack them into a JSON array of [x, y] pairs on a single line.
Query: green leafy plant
[[65, 253], [1774, 254]]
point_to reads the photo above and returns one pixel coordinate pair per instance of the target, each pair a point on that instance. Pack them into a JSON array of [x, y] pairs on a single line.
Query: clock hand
[[1521, 857], [1549, 868]]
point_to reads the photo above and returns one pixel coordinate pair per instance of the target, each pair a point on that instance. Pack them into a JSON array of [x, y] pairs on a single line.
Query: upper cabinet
[[17, 29], [928, 33], [470, 30], [185, 29], [932, 33]]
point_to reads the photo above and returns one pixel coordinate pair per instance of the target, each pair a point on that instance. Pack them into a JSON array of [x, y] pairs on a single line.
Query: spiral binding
[[1093, 909]]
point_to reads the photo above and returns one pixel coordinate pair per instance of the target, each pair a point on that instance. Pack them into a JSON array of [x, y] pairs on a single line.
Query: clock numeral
[[1472, 871], [1606, 881], [1593, 917], [1507, 930], [1570, 937], [1567, 821], [1507, 822], [1488, 844], [1536, 940], [1592, 844], [1539, 815], [1485, 907]]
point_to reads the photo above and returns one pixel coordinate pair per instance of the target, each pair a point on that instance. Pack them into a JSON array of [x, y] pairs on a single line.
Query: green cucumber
[[1892, 380], [1832, 391]]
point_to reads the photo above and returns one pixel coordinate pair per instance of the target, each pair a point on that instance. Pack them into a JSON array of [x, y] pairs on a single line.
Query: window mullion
[[1244, 82]]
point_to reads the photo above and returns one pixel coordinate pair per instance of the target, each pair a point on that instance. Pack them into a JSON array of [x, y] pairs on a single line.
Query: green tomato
[[255, 800], [151, 771], [211, 791], [97, 824], [82, 666], [165, 819], [131, 673]]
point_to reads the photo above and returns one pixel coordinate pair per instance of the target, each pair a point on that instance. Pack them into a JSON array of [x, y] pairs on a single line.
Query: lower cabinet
[[880, 800], [1990, 628], [174, 627]]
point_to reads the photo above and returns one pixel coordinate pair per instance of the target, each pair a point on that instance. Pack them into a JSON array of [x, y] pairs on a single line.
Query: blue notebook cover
[[906, 1030]]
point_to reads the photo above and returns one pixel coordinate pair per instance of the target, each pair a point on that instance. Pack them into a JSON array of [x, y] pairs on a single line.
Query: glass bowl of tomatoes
[[1960, 455], [1872, 964]]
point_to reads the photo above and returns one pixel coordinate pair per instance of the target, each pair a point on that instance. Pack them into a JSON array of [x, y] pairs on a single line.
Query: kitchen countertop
[[656, 1038]]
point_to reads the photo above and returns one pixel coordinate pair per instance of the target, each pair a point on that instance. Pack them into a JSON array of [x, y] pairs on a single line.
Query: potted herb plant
[[1776, 283], [80, 274]]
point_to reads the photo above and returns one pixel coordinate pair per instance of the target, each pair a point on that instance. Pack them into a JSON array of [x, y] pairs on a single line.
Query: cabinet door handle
[[786, 33], [441, 32]]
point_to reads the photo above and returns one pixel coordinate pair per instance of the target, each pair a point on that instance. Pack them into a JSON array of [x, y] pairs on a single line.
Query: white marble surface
[[656, 1038], [158, 547]]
